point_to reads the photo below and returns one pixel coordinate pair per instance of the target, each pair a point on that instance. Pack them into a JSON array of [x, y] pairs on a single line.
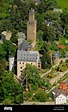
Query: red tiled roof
[[62, 46], [63, 86]]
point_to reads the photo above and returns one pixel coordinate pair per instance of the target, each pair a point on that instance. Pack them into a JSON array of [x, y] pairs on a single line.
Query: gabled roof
[[56, 92], [63, 86], [62, 46], [30, 56], [55, 54], [24, 45]]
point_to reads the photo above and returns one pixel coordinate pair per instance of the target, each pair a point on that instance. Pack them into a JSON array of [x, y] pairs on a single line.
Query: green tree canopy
[[9, 48], [46, 61], [7, 101], [49, 34], [10, 88], [41, 96], [34, 78]]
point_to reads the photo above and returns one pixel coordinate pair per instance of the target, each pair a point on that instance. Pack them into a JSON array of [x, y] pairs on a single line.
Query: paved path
[[49, 70], [63, 59], [66, 80], [57, 78], [38, 103]]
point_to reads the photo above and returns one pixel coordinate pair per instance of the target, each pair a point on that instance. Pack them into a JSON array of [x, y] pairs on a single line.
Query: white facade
[[61, 99], [11, 63]]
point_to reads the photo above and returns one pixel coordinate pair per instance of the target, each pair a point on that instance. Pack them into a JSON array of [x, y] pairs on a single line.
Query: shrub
[[41, 96]]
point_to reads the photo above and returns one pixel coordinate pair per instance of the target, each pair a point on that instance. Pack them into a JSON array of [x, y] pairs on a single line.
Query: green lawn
[[62, 3]]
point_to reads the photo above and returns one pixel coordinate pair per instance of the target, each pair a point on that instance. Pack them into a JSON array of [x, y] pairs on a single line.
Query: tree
[[41, 96], [46, 61], [2, 52], [3, 65], [52, 16], [66, 32], [49, 34], [9, 48], [7, 101], [39, 35], [10, 88], [6, 24], [40, 20], [64, 18], [33, 76], [44, 48]]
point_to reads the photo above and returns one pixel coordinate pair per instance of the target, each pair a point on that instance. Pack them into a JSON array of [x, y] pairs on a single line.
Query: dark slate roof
[[56, 54], [24, 45], [3, 37], [11, 56], [56, 92], [31, 56]]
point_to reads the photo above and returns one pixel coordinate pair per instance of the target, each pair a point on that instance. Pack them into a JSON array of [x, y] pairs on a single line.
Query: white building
[[11, 62], [60, 97]]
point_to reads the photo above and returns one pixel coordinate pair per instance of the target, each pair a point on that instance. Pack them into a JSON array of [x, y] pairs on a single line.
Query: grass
[[62, 3]]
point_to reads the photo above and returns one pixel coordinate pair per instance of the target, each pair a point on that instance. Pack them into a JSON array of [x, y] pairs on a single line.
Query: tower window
[[20, 63]]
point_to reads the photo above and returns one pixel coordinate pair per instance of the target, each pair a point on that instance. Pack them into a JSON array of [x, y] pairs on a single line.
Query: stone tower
[[31, 28]]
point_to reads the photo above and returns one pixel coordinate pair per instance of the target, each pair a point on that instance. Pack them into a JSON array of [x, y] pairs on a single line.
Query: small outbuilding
[[55, 57]]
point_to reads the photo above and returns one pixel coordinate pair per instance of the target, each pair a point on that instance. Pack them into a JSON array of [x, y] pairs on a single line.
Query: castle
[[25, 54]]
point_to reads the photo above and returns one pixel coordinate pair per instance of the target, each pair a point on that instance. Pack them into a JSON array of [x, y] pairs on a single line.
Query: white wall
[[11, 63], [61, 99]]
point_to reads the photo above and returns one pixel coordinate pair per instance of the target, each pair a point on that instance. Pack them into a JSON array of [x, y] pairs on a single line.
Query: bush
[[50, 75], [7, 101], [41, 96]]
